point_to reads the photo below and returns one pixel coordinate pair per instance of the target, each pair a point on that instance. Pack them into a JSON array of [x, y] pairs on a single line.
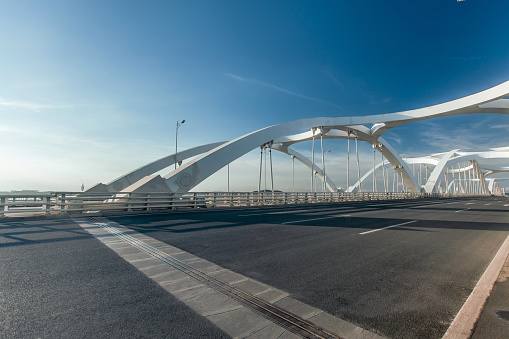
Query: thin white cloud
[[394, 139], [373, 99], [70, 142], [37, 107], [386, 100], [334, 79], [500, 126], [280, 89], [442, 137]]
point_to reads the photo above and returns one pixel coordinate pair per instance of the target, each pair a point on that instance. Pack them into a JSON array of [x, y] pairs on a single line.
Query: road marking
[[465, 320], [469, 203], [422, 206], [383, 228], [487, 204], [297, 221], [506, 205], [447, 203], [466, 209], [434, 203]]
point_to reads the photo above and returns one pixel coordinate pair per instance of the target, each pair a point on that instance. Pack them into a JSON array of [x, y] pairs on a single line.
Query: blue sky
[[91, 89]]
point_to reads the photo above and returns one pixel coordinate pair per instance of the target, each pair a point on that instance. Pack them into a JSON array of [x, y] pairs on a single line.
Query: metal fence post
[[63, 202], [4, 207], [46, 205]]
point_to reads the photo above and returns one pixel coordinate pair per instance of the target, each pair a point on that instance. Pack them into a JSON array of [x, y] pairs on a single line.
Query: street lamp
[[176, 140]]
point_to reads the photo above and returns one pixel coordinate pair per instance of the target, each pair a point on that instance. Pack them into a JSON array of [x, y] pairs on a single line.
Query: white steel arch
[[128, 179], [445, 166], [216, 156], [363, 133], [319, 172], [192, 173]]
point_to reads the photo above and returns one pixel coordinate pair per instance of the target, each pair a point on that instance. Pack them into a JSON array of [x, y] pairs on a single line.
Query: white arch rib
[[215, 156], [140, 173], [194, 172], [331, 187]]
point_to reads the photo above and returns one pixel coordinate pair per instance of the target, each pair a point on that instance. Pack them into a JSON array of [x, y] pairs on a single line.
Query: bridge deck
[[399, 268]]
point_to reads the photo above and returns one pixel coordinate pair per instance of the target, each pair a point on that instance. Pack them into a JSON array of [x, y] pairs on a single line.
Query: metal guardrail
[[57, 203]]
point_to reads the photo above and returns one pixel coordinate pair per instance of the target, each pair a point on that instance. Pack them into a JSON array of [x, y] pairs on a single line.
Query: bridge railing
[[58, 203]]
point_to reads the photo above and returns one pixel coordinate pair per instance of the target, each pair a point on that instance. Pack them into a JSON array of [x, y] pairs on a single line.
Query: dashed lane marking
[[306, 220], [434, 203], [384, 228], [466, 209]]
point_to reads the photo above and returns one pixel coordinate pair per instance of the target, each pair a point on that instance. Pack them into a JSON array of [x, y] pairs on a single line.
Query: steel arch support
[[448, 160], [132, 177], [355, 186], [191, 174], [430, 185], [330, 184], [390, 154]]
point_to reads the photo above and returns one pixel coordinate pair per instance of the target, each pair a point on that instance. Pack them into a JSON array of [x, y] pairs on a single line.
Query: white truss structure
[[462, 171]]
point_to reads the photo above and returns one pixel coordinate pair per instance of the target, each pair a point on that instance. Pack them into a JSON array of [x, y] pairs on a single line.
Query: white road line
[[466, 209], [466, 318], [297, 221], [383, 228], [434, 203], [469, 203], [506, 205], [448, 203], [487, 204], [422, 206]]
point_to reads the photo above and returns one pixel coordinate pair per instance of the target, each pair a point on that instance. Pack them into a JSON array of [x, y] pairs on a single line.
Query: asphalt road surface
[[57, 281], [402, 269], [401, 282]]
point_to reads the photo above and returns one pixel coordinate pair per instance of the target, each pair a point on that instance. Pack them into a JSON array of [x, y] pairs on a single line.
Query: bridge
[[455, 171], [414, 247]]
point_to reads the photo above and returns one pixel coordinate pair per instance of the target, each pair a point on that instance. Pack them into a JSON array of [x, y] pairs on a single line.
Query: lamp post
[[176, 141]]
